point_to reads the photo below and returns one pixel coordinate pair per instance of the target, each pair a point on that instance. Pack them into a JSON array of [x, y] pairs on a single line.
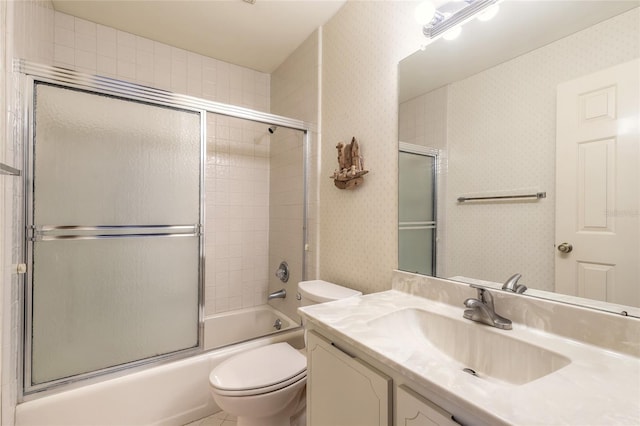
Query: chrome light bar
[[442, 23]]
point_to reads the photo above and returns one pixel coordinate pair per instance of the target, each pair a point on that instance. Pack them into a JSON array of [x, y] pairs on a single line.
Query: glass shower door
[[416, 212], [114, 236]]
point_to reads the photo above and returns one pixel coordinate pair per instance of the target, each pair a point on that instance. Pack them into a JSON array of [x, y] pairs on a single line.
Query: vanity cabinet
[[344, 390], [414, 410]]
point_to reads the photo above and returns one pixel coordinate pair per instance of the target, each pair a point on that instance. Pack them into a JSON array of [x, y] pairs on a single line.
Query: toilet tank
[[319, 291]]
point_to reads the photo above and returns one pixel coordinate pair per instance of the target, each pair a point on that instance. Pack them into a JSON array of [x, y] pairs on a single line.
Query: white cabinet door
[[343, 390], [414, 410]]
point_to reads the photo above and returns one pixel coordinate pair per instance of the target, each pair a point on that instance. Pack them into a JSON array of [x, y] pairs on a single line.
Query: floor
[[219, 419]]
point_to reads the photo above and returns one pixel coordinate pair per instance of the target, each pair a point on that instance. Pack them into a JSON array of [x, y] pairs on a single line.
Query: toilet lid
[[272, 366], [323, 291]]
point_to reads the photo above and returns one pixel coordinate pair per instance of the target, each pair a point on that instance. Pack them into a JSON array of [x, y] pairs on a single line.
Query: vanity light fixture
[[440, 23]]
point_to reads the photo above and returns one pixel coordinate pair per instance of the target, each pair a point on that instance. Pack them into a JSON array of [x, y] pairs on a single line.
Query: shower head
[[272, 129]]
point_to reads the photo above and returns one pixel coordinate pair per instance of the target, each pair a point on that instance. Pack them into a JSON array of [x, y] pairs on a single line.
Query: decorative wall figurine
[[350, 166]]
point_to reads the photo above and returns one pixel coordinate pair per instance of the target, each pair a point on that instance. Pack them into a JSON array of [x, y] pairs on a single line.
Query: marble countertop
[[598, 387]]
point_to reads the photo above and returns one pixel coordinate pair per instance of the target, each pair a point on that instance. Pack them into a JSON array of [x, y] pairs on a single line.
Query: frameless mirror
[[543, 102]]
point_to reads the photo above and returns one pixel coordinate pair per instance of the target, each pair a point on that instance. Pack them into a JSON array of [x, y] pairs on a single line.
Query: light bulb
[[424, 12], [453, 33], [489, 13]]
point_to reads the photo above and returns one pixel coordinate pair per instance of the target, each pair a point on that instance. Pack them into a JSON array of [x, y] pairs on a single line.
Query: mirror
[[500, 106]]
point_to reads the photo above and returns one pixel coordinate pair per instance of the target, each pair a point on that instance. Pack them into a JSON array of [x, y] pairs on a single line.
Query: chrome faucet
[[280, 294], [512, 284], [482, 310]]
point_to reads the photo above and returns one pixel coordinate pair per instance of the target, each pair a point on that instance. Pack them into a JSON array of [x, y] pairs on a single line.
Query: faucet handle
[[485, 297]]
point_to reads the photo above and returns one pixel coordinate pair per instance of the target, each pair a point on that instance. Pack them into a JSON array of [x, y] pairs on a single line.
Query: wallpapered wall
[[362, 45], [510, 145]]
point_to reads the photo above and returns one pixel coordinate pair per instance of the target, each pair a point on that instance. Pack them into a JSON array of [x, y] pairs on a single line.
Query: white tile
[[178, 54], [106, 66], [64, 37], [86, 60], [194, 87], [63, 55], [178, 83], [106, 34], [126, 54], [126, 39], [144, 59], [106, 42], [126, 70], [194, 61], [85, 42], [161, 50], [145, 75], [85, 27], [63, 20], [144, 45]]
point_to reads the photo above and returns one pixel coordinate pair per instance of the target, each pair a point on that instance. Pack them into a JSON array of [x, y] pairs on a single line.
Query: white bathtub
[[175, 393], [242, 325]]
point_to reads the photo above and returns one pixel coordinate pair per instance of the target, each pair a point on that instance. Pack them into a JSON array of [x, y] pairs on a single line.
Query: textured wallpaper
[[362, 46]]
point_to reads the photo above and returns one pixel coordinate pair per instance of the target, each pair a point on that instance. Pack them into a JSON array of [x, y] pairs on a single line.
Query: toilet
[[265, 386]]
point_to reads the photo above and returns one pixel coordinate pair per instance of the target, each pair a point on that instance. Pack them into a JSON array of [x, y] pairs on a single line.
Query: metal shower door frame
[[436, 154], [30, 74]]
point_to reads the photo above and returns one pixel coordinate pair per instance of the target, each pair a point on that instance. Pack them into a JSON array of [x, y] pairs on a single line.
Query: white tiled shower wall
[[489, 239], [27, 27], [294, 93], [237, 214]]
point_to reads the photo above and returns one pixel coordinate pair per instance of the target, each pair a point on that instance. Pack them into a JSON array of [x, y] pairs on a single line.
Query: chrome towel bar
[[536, 196]]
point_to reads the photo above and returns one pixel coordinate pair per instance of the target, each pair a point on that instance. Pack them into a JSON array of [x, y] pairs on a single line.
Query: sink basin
[[487, 352]]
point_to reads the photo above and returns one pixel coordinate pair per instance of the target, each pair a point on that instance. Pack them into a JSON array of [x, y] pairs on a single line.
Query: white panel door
[[597, 186]]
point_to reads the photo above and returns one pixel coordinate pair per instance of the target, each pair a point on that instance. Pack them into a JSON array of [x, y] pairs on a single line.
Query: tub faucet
[[280, 294], [512, 284], [482, 310]]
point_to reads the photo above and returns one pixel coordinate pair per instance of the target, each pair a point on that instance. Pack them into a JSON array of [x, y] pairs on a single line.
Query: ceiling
[[259, 36]]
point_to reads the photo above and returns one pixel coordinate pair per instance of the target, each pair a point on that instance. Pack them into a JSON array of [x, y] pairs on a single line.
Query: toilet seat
[[258, 371]]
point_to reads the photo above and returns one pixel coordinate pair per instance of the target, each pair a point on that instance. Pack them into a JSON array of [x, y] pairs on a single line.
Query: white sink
[[488, 352]]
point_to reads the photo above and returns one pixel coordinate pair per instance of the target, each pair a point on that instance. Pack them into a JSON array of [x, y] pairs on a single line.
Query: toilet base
[[295, 414], [277, 408]]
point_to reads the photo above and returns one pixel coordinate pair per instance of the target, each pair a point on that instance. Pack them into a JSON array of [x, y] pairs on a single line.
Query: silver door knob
[[565, 248]]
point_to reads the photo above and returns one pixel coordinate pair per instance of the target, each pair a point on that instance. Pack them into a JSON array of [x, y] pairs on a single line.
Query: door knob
[[565, 248]]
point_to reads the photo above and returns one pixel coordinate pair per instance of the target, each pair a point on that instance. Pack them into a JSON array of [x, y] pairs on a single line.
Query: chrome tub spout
[[280, 294]]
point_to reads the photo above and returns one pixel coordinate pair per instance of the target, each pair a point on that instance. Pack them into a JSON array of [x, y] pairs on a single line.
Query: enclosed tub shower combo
[[122, 184]]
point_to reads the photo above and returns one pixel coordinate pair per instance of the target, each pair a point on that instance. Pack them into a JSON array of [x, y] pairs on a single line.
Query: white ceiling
[[259, 36]]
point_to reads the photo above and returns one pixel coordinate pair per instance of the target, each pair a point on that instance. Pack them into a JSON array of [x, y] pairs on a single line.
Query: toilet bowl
[[266, 386], [262, 386]]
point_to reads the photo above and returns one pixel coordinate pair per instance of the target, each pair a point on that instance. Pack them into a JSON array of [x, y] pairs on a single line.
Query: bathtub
[[244, 324], [174, 393]]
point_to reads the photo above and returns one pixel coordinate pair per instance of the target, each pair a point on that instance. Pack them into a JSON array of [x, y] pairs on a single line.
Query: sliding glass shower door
[[114, 233]]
